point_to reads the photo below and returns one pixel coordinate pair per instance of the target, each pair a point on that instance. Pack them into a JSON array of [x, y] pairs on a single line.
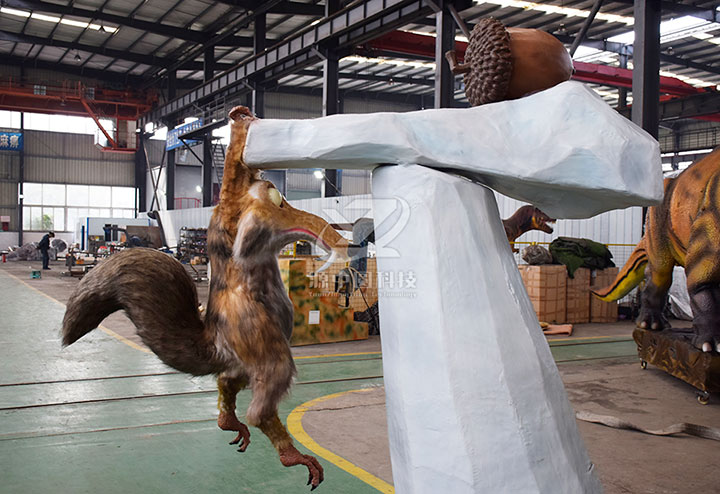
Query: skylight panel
[[58, 20]]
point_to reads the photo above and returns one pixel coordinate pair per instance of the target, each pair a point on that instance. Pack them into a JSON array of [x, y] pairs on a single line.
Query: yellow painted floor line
[[294, 424], [584, 338], [335, 355], [102, 328]]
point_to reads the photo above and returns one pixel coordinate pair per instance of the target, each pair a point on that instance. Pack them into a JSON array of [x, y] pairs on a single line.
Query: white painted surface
[[562, 149], [475, 403], [10, 239]]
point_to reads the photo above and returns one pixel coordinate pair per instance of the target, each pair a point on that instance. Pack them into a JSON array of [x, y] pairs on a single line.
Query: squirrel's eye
[[275, 196]]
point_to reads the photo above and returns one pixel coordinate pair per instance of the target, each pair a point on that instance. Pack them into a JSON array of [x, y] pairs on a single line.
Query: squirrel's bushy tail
[[158, 296]]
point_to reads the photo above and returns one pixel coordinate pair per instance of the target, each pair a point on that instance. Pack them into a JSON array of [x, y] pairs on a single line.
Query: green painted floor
[[103, 416]]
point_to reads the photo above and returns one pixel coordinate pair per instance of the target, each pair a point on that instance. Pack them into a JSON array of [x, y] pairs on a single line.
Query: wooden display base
[[672, 351]]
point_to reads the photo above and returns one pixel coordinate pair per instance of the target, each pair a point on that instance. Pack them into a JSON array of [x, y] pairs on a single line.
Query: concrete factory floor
[[104, 414]]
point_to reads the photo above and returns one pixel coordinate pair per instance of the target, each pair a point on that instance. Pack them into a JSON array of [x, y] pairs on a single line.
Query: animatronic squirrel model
[[243, 338]]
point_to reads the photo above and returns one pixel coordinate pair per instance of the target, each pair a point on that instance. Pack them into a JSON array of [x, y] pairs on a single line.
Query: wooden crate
[[577, 306], [602, 311], [547, 287]]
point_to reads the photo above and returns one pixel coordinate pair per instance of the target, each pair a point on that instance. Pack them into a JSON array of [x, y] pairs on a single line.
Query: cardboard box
[[602, 311], [577, 307], [547, 287]]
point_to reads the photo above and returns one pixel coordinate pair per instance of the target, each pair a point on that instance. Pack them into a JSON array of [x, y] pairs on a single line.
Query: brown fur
[[249, 317]]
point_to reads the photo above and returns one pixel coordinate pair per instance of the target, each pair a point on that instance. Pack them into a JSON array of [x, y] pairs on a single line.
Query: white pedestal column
[[474, 400]]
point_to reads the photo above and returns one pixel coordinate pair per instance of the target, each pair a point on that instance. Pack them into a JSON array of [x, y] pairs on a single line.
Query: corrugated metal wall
[[53, 157], [355, 182], [283, 105]]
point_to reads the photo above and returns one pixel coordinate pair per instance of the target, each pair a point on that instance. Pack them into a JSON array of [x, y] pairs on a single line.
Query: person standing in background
[[44, 246]]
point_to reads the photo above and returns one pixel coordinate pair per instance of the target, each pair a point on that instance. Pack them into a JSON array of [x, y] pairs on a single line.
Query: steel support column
[[207, 170], [141, 169], [444, 42], [331, 93], [259, 45], [208, 63], [170, 156], [21, 180], [646, 66], [622, 91]]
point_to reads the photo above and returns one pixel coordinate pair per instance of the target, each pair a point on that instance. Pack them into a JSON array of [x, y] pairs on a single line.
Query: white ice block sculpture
[[563, 150], [475, 403]]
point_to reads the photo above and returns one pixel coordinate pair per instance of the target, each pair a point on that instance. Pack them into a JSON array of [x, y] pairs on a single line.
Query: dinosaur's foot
[[707, 337], [707, 344], [653, 320], [705, 304], [290, 456], [228, 421]]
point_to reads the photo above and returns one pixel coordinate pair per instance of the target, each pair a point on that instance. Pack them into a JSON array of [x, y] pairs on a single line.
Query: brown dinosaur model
[[243, 338], [684, 230], [525, 219]]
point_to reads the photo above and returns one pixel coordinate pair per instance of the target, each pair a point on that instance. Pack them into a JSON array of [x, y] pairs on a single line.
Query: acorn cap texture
[[489, 57]]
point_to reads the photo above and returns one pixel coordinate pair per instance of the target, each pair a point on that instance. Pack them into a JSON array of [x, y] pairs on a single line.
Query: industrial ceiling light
[[78, 58], [319, 174], [198, 189]]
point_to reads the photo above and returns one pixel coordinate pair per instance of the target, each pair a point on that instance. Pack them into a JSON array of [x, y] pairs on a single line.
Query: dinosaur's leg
[[654, 297], [703, 279], [228, 387], [269, 386]]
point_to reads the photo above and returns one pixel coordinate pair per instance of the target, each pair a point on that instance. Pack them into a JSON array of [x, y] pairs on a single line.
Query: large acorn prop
[[508, 63]]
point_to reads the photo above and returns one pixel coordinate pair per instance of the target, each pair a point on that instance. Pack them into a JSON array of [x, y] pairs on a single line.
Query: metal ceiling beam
[[623, 49], [586, 25], [681, 8], [230, 29], [287, 8], [108, 52], [417, 45], [608, 75], [359, 76], [696, 106], [113, 79], [124, 55], [683, 62], [353, 25], [120, 20]]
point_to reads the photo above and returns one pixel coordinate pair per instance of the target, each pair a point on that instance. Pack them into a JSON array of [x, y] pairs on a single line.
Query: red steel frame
[[406, 43], [71, 98]]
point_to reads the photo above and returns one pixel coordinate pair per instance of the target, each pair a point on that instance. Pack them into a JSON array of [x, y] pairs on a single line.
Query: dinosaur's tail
[[157, 295], [630, 276]]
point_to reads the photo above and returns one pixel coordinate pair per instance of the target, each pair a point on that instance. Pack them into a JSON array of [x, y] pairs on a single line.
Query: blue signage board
[[11, 141], [173, 141]]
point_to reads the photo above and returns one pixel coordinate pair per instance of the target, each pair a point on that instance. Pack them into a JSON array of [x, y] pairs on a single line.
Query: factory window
[[59, 207], [54, 123]]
